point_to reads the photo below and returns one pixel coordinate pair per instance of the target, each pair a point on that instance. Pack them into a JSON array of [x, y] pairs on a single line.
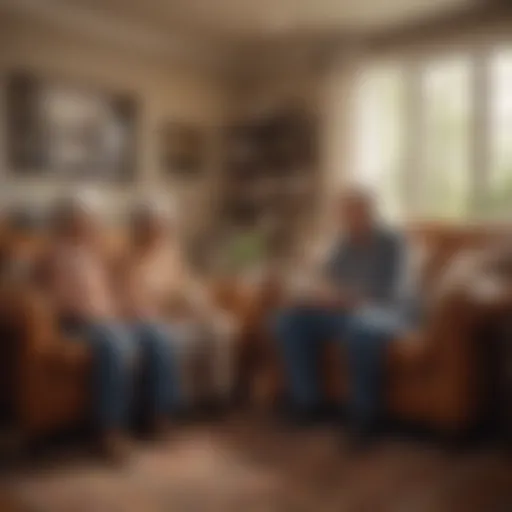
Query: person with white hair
[[84, 291], [161, 286], [358, 303]]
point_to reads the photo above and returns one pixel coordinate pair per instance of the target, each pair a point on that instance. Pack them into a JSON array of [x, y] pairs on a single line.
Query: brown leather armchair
[[433, 373]]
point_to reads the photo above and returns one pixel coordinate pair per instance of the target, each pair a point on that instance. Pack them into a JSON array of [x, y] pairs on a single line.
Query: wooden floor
[[254, 466], [9, 504]]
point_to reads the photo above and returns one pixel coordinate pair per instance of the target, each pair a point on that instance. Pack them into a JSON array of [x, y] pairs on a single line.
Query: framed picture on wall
[[182, 149], [58, 129]]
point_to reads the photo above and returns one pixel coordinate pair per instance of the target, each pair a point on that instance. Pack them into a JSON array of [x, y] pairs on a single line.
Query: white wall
[[164, 91]]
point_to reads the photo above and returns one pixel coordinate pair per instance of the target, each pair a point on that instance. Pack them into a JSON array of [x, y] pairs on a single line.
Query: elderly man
[[356, 304], [84, 292], [162, 287]]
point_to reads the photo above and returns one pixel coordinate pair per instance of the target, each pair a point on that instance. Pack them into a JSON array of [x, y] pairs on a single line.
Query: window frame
[[413, 63]]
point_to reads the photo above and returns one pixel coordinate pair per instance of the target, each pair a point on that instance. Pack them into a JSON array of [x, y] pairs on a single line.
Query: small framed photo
[[182, 149]]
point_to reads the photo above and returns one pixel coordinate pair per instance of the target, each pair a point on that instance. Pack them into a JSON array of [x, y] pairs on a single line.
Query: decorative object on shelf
[[182, 149], [243, 152], [279, 143], [289, 138], [271, 173], [70, 132]]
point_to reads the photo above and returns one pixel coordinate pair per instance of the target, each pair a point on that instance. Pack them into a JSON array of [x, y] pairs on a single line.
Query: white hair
[[358, 190], [155, 206], [88, 201]]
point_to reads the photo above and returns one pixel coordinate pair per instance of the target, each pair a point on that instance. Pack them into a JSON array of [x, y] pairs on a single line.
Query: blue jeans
[[162, 391], [302, 333], [119, 350]]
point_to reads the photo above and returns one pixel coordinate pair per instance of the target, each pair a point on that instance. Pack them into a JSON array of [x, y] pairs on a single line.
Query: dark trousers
[[120, 351], [303, 331]]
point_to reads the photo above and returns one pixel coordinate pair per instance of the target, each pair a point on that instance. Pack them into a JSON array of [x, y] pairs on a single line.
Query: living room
[[249, 123]]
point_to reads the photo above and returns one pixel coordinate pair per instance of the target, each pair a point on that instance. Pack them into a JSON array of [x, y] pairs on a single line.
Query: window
[[499, 196], [417, 141], [445, 149], [378, 141]]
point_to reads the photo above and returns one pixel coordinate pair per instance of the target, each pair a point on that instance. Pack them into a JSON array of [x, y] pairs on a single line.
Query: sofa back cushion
[[22, 251], [436, 247]]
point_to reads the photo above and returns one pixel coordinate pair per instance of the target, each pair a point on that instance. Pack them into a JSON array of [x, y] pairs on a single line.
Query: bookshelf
[[271, 175]]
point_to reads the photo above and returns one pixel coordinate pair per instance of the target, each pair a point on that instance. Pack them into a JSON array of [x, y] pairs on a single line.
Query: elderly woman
[[161, 287], [83, 290]]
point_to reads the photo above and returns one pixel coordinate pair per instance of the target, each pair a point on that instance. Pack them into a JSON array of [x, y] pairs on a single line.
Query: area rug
[[248, 467]]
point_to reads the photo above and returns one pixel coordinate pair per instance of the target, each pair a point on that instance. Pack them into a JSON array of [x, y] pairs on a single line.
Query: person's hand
[[331, 298], [178, 305], [320, 295]]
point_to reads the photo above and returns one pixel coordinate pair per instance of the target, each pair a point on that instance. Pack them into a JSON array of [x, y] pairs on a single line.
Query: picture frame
[[56, 128]]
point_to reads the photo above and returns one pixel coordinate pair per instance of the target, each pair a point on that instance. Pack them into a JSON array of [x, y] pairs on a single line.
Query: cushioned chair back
[[453, 317], [449, 312], [24, 250], [439, 244]]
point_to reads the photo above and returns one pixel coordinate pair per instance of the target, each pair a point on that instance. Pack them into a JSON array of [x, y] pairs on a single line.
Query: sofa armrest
[[49, 371], [31, 326], [29, 314], [64, 355], [410, 354], [490, 295]]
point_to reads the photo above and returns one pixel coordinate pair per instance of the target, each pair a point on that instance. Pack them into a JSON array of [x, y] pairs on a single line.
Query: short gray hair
[[155, 208], [358, 192], [69, 205]]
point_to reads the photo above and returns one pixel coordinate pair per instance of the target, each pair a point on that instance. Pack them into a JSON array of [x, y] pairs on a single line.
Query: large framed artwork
[[61, 130]]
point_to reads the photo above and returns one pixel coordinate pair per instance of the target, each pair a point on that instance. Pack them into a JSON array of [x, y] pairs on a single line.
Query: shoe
[[160, 428], [360, 439]]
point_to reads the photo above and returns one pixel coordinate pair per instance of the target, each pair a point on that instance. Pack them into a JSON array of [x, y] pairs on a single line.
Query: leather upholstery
[[45, 375], [46, 386], [433, 372]]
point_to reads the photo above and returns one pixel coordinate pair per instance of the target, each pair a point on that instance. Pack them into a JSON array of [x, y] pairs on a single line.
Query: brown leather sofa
[[45, 375], [433, 373]]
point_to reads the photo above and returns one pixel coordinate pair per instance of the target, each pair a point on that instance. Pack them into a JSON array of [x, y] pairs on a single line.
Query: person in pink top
[[124, 345], [161, 286]]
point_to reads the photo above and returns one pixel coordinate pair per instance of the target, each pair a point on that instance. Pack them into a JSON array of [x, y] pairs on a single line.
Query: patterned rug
[[256, 467]]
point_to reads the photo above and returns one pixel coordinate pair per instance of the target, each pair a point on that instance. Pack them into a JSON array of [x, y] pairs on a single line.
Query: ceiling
[[259, 19], [238, 33]]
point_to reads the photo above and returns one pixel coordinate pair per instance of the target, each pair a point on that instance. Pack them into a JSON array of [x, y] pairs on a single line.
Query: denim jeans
[[302, 333], [120, 351], [162, 390]]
